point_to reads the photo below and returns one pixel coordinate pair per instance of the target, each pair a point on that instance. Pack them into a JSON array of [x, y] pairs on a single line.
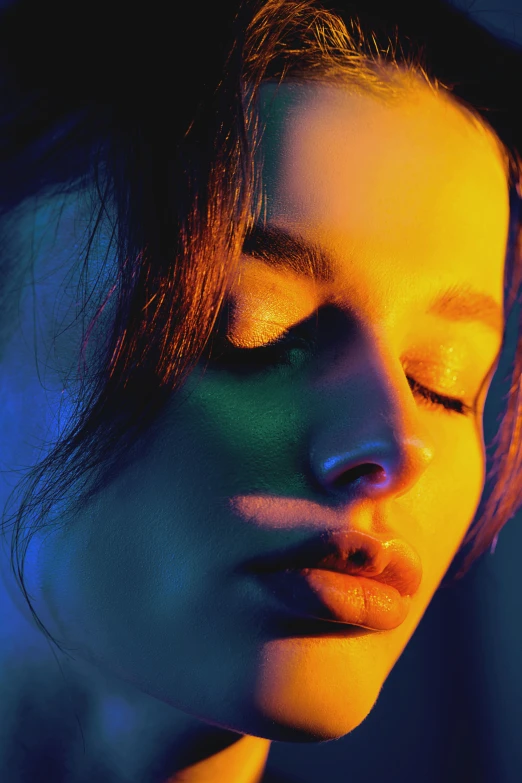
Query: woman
[[250, 322]]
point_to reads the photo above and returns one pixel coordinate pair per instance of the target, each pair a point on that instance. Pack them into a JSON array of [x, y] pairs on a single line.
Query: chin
[[297, 723], [316, 691], [295, 726], [311, 716]]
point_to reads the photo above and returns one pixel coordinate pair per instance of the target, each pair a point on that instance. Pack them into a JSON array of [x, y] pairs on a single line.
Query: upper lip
[[389, 560]]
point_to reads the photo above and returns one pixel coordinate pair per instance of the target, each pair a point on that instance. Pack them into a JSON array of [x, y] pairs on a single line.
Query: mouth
[[344, 577], [339, 598]]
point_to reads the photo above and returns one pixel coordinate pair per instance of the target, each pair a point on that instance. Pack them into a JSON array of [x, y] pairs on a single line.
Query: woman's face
[[262, 453]]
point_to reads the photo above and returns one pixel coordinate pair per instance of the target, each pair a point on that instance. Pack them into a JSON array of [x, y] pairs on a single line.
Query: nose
[[372, 450]]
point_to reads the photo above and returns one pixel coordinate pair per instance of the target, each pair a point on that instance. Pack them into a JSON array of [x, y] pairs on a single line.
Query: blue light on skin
[[144, 583]]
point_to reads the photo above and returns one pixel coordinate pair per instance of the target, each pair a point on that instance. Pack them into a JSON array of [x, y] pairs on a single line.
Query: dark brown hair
[[161, 121]]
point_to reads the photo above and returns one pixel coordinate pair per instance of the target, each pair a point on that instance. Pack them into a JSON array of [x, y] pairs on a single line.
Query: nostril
[[349, 476]]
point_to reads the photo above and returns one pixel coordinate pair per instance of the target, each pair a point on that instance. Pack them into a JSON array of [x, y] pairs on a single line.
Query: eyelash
[[277, 351]]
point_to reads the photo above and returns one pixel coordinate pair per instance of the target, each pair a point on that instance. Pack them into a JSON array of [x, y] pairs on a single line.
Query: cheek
[[120, 570], [256, 428], [446, 498]]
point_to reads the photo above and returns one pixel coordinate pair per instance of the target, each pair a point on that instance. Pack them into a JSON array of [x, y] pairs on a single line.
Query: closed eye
[[278, 352], [435, 400]]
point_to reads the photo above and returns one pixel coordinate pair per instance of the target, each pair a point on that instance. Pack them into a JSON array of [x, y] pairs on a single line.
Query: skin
[[407, 198]]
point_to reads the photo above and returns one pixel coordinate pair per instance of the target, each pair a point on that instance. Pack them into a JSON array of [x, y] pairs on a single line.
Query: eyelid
[[450, 404], [267, 299]]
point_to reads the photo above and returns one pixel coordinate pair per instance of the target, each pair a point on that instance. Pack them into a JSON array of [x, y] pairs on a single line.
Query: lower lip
[[339, 598]]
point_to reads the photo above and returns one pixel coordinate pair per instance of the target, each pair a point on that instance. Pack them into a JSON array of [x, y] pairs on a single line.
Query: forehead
[[413, 132], [412, 184]]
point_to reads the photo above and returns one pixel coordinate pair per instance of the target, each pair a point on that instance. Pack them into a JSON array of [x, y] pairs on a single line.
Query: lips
[[340, 598], [349, 577]]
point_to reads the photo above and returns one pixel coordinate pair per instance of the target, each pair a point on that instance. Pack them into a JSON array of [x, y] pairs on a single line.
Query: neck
[[241, 762], [141, 738]]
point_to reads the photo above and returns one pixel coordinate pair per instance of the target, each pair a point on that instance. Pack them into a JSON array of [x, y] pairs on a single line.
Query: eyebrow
[[288, 252], [282, 250]]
